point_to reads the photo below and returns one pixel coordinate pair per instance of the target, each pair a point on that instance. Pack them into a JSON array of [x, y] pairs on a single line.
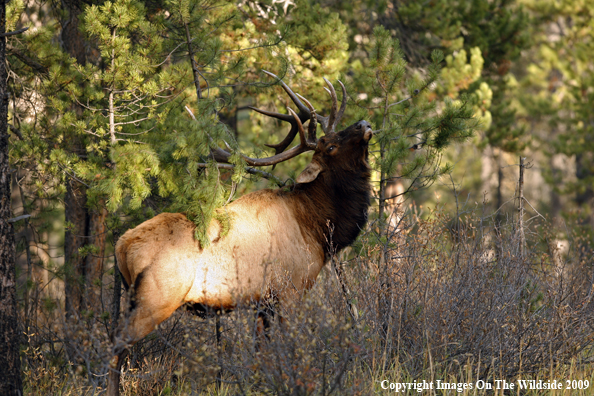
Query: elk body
[[278, 240]]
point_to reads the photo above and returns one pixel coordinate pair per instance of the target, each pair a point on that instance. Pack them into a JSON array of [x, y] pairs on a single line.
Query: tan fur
[[265, 251]]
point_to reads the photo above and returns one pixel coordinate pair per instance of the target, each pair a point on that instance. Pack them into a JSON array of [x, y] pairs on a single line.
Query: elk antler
[[304, 115], [329, 123], [305, 143], [306, 112]]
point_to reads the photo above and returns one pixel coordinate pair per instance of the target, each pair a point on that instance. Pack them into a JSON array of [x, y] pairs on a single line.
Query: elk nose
[[366, 127], [363, 124]]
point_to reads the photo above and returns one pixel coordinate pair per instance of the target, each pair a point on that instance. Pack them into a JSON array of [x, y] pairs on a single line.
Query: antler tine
[[311, 130], [303, 146], [299, 127], [221, 155], [302, 138], [306, 112], [280, 147], [332, 117], [303, 111], [280, 116], [303, 116], [343, 104]]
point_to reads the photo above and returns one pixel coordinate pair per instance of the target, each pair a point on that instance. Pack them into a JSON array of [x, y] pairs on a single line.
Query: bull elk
[[276, 238]]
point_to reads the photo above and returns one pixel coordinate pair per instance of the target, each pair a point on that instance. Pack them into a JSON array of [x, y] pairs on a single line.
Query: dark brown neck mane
[[333, 208]]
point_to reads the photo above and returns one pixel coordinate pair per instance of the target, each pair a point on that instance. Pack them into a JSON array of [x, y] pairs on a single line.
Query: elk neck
[[333, 208]]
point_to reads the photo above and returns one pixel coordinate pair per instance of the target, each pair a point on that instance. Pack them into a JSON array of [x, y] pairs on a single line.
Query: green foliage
[[316, 30], [481, 40], [14, 10], [139, 150], [425, 75], [459, 77], [407, 115], [117, 121], [559, 97], [123, 97], [458, 74]]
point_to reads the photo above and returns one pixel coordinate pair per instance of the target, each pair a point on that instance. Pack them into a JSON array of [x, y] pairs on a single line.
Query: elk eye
[[331, 148]]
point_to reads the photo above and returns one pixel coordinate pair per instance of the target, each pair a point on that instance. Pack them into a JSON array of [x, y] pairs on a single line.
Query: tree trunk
[[520, 232], [585, 198], [74, 238], [10, 364], [583, 172], [94, 261], [499, 192], [85, 227], [72, 38], [394, 203]]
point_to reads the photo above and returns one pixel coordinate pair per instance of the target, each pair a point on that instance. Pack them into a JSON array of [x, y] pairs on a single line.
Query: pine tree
[[559, 98], [10, 365], [406, 119], [496, 29]]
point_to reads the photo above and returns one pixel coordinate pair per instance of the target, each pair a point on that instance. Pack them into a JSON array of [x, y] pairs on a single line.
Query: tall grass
[[455, 300]]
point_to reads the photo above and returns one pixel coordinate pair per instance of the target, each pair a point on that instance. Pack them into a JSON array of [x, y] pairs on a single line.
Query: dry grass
[[433, 304]]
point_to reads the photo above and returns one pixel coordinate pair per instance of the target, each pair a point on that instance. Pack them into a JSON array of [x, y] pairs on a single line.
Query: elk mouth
[[368, 134], [367, 131]]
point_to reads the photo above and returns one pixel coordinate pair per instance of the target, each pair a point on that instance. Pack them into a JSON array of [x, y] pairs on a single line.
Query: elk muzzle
[[368, 132]]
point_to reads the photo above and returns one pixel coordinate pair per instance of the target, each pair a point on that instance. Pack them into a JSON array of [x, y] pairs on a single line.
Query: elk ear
[[310, 173]]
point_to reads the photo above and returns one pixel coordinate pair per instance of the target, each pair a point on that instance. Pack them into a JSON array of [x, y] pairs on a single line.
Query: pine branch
[[32, 63], [253, 171], [14, 32]]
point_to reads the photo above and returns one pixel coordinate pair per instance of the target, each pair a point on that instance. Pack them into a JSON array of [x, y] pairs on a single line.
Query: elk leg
[[150, 305], [218, 334], [264, 314], [152, 301], [113, 379]]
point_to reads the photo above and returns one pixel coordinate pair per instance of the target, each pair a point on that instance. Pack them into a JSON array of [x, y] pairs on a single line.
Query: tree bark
[[585, 199], [72, 38], [10, 364], [94, 262], [520, 231], [499, 193], [394, 196], [583, 172], [74, 238], [86, 226]]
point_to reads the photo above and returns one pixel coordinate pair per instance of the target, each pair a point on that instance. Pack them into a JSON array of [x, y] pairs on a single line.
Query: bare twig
[[21, 217]]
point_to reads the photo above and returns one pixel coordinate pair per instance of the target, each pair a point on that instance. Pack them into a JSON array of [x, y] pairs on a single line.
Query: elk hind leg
[[113, 377], [150, 304]]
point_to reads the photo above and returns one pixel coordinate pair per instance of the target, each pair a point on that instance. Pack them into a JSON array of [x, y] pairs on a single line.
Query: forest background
[[478, 251]]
